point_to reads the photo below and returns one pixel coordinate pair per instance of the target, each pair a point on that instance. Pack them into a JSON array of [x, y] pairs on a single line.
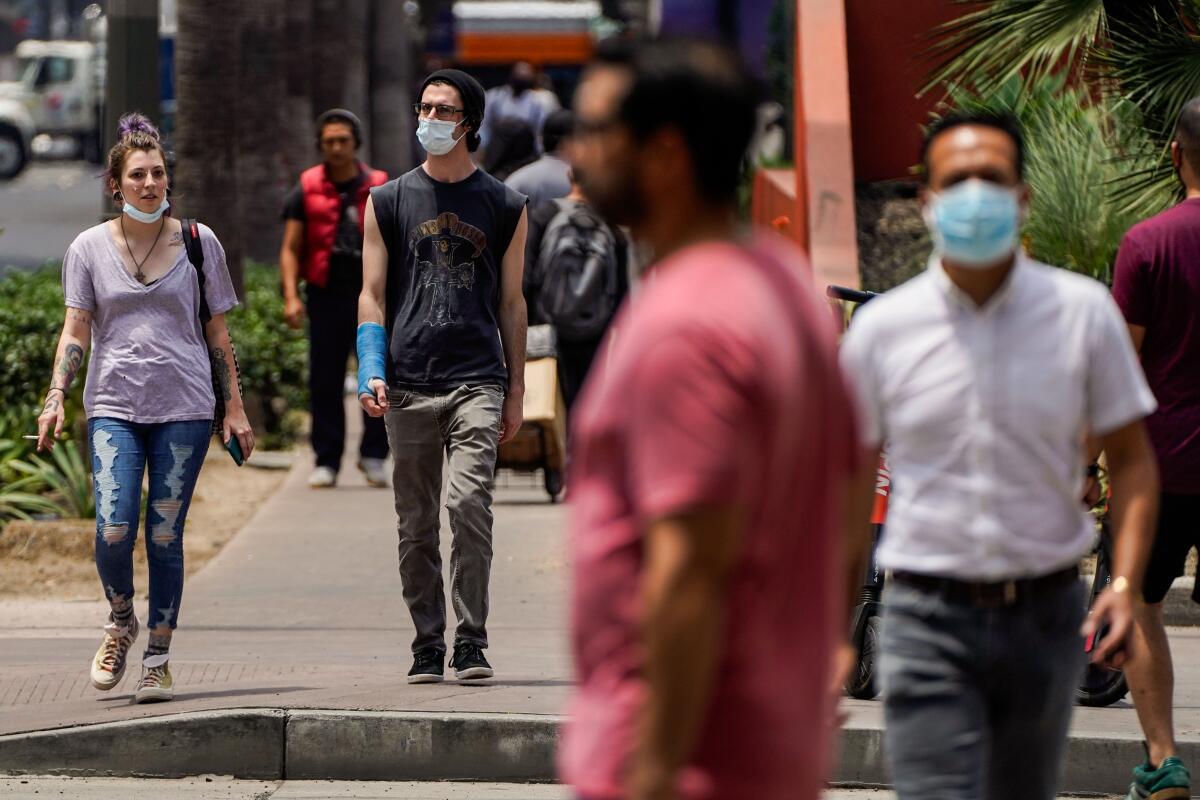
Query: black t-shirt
[[345, 259], [446, 243]]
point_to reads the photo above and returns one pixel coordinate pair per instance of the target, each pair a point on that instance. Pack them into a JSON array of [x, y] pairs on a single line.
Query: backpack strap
[[195, 254]]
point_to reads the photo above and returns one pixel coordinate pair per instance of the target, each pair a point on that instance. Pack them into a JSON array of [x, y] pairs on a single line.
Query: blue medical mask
[[975, 224], [437, 136], [142, 216]]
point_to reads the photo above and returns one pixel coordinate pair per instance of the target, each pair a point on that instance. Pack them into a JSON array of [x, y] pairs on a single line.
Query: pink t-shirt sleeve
[[1130, 283], [688, 442]]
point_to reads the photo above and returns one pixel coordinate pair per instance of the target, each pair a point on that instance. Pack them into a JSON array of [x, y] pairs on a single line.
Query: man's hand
[[293, 312], [377, 405], [511, 416], [650, 781], [1114, 609]]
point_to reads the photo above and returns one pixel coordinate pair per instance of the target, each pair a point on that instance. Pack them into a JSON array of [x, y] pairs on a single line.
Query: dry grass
[[55, 560]]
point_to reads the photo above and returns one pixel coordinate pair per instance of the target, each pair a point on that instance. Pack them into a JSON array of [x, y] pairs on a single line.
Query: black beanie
[[472, 94]]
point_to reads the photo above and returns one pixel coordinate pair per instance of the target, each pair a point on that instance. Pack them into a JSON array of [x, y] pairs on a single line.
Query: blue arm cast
[[372, 345]]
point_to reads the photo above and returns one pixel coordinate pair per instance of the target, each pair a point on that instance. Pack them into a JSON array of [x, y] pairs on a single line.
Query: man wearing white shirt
[[984, 376]]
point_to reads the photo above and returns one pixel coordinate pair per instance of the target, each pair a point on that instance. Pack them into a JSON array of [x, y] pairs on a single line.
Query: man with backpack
[[578, 275]]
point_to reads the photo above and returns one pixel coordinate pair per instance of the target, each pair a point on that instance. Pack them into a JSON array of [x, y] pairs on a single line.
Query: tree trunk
[[391, 80], [261, 126], [340, 41], [206, 185], [299, 137]]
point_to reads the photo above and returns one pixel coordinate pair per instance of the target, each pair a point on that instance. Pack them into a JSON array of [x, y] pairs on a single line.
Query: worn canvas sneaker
[[156, 683], [108, 667], [375, 471], [428, 666], [469, 663], [322, 478], [1169, 782]]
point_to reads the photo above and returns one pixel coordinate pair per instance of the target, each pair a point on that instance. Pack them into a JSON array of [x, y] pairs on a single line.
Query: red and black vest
[[322, 209]]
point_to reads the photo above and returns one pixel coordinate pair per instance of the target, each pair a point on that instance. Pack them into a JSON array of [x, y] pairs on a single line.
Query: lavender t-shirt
[[149, 360]]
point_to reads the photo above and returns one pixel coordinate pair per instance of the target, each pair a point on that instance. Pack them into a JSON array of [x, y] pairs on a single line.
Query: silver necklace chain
[[138, 274]]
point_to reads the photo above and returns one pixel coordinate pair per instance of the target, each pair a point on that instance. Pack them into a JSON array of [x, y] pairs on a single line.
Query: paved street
[[44, 209], [302, 610], [225, 789]]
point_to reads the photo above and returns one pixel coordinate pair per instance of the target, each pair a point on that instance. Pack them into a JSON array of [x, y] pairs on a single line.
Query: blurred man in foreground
[[712, 449]]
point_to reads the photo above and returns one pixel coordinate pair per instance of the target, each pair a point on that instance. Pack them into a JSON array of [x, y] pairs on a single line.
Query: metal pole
[[132, 70]]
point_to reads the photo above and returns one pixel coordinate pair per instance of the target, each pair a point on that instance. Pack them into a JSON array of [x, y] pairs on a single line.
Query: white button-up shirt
[[983, 411]]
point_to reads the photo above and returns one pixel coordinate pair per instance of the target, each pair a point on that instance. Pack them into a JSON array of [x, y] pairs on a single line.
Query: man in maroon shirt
[[1157, 286]]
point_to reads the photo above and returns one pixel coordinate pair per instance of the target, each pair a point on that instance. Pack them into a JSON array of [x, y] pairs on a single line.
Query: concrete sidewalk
[[302, 612]]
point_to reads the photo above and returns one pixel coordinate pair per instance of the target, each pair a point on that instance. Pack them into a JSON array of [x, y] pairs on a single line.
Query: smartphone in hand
[[235, 450]]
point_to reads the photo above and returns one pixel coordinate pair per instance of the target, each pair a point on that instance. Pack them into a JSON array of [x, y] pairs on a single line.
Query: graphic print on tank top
[[445, 250]]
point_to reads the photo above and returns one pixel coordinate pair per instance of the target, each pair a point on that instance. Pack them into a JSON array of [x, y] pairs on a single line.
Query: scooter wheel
[[863, 684]]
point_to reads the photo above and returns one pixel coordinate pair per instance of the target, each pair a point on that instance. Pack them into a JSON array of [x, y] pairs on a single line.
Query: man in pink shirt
[[713, 446]]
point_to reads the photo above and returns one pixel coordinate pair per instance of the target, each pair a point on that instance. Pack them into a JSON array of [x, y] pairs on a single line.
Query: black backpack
[[578, 265]]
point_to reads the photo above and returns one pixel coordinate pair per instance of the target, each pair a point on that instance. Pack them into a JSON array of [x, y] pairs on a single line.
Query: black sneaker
[[427, 666], [469, 663]]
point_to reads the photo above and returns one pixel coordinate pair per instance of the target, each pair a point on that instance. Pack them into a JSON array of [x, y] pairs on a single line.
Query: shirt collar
[[961, 299]]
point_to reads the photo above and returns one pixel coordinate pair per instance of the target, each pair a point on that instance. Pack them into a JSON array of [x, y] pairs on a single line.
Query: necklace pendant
[[141, 277]]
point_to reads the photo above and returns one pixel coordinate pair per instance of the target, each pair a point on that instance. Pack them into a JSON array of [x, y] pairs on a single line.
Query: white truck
[[16, 138], [61, 86]]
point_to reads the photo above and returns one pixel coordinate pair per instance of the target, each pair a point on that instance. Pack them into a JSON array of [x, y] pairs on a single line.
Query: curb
[[278, 744]]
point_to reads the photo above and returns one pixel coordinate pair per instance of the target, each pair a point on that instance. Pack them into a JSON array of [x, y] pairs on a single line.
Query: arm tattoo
[[221, 367], [79, 315], [52, 404], [68, 365]]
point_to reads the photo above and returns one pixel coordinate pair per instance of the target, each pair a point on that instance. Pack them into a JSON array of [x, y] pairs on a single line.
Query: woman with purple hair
[[133, 296]]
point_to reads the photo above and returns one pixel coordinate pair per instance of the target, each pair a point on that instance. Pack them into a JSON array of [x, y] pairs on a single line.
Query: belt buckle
[[996, 595]]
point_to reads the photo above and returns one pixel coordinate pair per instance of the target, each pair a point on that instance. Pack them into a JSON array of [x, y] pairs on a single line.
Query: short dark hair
[[700, 88], [1187, 131], [1001, 121], [559, 125]]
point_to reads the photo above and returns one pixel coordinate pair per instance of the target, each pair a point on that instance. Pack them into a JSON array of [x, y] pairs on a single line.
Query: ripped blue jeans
[[121, 451]]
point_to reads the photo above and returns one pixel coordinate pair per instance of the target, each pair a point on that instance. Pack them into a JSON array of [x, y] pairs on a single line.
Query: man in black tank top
[[443, 258]]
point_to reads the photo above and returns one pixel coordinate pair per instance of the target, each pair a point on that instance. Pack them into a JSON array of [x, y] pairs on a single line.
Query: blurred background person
[[514, 145], [322, 244], [547, 178], [576, 279], [516, 99], [706, 611], [1156, 283]]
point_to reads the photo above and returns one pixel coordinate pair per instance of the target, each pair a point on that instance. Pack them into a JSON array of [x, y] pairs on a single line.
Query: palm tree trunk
[[260, 117], [340, 35], [299, 152], [391, 79], [206, 185]]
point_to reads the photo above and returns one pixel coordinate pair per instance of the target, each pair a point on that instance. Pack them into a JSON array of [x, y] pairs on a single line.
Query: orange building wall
[[885, 43]]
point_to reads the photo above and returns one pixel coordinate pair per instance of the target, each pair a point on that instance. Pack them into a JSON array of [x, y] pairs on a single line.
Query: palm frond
[[1007, 38], [1154, 63]]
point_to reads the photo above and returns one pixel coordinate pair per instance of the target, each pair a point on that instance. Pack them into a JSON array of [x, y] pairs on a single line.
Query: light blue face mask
[[975, 224], [437, 136], [142, 216]]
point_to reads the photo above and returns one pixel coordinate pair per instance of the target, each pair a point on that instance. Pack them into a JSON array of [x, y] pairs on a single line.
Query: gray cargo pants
[[423, 429]]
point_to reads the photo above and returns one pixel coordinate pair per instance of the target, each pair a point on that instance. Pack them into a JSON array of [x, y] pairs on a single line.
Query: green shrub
[[273, 359]]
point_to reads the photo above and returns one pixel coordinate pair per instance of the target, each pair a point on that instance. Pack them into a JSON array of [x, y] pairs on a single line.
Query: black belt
[[991, 594]]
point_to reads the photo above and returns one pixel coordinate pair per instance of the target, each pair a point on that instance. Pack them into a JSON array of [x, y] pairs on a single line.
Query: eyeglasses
[[442, 111], [586, 127]]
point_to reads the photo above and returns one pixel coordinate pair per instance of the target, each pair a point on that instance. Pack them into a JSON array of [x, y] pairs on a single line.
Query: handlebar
[[851, 295]]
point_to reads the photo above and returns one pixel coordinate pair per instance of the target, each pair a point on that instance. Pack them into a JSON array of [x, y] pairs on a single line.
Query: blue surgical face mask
[[142, 216], [975, 224], [437, 136]]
